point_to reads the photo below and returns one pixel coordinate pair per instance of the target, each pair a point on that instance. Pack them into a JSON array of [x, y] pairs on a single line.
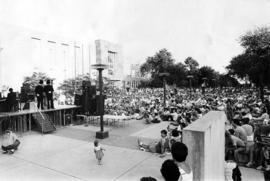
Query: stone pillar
[[205, 139]]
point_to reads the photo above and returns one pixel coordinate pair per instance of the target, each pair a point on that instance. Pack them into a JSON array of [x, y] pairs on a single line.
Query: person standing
[[11, 100], [39, 93], [48, 89], [98, 150]]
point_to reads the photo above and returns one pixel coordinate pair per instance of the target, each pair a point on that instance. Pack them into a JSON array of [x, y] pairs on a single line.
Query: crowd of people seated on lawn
[[148, 104], [248, 116], [246, 130]]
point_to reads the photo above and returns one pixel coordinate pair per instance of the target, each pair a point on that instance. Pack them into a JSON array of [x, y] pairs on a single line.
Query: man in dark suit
[[48, 89], [39, 93], [11, 100]]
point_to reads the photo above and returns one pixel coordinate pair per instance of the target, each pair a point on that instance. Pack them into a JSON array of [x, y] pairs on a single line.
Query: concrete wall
[[205, 140]]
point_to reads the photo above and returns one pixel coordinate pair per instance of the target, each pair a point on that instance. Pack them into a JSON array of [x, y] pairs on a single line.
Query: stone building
[[111, 55]]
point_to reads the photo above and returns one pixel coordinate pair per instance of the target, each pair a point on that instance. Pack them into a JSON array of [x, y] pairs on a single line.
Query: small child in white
[[98, 151]]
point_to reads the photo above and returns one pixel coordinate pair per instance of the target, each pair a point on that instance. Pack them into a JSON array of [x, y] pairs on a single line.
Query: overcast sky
[[207, 30]]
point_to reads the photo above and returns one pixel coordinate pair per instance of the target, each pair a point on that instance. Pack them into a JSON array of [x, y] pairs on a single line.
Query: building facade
[[24, 51], [111, 55], [133, 80]]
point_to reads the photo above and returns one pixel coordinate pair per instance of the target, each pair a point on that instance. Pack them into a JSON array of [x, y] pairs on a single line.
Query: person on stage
[[39, 93], [11, 100], [48, 89]]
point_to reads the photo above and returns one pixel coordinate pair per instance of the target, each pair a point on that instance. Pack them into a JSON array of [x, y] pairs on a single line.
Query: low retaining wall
[[205, 139]]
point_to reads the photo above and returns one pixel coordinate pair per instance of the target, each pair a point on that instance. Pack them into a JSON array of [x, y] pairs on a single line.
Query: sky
[[207, 30]]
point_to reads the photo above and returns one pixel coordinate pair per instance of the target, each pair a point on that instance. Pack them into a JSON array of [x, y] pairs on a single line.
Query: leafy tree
[[177, 75], [160, 62], [192, 64], [254, 62], [29, 84], [207, 73], [225, 80], [33, 80], [73, 85]]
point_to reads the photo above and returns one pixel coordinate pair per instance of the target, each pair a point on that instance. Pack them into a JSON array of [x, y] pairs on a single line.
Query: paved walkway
[[67, 154]]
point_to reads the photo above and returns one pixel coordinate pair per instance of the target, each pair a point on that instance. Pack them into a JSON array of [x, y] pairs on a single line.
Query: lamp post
[[214, 83], [101, 134], [204, 84], [189, 78], [164, 75]]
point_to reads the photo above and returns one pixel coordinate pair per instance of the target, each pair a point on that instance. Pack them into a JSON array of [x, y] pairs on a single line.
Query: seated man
[[10, 142], [157, 147]]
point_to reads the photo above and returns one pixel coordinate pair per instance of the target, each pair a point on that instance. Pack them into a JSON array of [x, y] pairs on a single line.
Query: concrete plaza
[[67, 154]]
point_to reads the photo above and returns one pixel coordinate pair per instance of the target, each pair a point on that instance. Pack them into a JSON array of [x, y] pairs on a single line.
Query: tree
[[29, 84], [160, 62], [225, 80], [207, 73], [177, 76], [192, 64], [240, 66], [33, 80], [73, 85], [254, 62]]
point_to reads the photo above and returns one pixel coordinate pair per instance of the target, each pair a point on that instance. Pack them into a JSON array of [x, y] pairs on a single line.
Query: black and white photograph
[[134, 90]]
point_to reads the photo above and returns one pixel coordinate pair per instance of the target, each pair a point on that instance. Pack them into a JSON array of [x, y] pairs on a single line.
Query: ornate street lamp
[[190, 78], [164, 75], [101, 134]]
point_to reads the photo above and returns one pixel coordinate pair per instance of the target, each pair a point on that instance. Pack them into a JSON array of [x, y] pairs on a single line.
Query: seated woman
[[160, 146], [10, 142]]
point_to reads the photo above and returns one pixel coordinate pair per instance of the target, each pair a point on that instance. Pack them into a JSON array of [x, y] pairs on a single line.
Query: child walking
[[98, 151]]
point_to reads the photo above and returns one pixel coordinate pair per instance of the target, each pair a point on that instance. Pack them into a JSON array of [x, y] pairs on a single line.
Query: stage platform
[[21, 121]]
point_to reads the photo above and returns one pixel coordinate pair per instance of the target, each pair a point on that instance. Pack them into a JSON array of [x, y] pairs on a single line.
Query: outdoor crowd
[[246, 134], [246, 128]]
